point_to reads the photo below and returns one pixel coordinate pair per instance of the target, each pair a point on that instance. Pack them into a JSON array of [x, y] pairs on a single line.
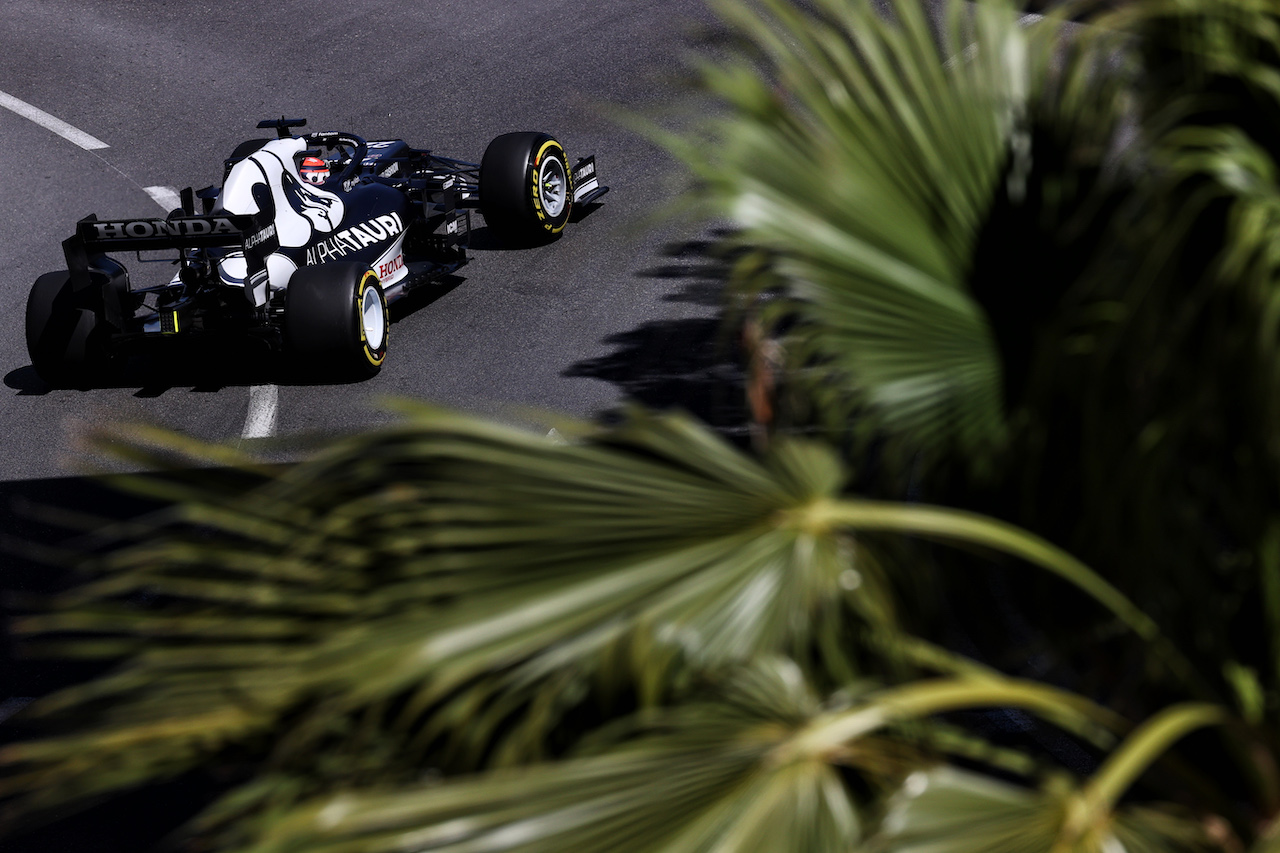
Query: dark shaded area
[[47, 525], [685, 364], [1089, 393], [130, 823], [47, 528], [695, 363], [483, 238], [212, 364]]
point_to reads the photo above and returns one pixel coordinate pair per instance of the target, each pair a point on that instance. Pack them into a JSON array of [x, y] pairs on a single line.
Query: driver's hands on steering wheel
[[339, 157]]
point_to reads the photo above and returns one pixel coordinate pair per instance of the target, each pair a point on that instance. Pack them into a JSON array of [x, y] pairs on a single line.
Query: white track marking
[[260, 421], [166, 197], [48, 122]]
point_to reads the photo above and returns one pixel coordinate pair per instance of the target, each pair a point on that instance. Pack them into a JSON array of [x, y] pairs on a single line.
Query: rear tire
[[526, 187], [66, 340], [336, 315]]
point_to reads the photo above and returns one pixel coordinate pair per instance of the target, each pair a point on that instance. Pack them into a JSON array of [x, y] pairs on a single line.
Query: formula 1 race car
[[308, 263]]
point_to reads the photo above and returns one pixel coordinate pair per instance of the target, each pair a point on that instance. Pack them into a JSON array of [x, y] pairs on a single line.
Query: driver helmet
[[314, 170]]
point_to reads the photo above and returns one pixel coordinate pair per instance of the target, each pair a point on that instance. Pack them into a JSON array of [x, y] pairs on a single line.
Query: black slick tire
[[336, 318], [65, 338], [526, 190]]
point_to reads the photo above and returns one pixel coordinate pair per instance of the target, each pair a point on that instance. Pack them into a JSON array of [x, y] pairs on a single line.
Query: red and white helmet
[[314, 170]]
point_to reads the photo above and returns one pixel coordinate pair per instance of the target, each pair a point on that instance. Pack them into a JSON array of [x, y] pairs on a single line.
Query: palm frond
[[863, 156], [948, 810], [751, 769], [696, 778], [472, 581]]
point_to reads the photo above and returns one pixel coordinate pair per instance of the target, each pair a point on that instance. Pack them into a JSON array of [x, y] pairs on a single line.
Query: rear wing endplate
[[586, 186]]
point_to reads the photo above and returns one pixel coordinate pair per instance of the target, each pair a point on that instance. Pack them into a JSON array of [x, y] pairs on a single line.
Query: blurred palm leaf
[[479, 579], [948, 810], [1047, 261], [753, 768], [449, 592], [698, 777], [1146, 407], [863, 155]]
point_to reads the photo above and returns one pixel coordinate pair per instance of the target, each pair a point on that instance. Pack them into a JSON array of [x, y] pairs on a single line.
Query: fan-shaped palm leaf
[[946, 810], [699, 778], [863, 154], [751, 770], [446, 591], [456, 569]]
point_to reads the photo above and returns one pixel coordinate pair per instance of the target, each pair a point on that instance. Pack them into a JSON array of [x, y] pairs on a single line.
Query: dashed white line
[[260, 421], [48, 122], [166, 197]]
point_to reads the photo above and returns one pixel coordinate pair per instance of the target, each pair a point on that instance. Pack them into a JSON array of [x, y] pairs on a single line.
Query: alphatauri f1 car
[[304, 245]]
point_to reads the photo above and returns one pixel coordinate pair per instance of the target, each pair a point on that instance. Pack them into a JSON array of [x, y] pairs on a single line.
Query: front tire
[[336, 315], [66, 339], [526, 187]]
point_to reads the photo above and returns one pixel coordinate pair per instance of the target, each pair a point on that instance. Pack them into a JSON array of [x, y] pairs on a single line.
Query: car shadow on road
[[423, 295], [482, 238], [691, 363], [205, 368], [211, 366]]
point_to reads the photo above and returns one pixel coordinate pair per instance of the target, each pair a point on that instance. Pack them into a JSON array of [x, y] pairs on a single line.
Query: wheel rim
[[373, 318], [552, 186]]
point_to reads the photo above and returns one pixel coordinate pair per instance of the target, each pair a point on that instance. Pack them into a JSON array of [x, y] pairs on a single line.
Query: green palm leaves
[[450, 635], [454, 594], [762, 766], [480, 580], [863, 156], [700, 777]]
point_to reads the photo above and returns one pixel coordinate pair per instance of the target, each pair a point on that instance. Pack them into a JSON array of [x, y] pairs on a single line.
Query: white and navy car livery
[[310, 268], [361, 222]]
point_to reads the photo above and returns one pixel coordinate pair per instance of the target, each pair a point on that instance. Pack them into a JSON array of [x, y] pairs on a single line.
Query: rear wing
[[175, 232], [181, 230]]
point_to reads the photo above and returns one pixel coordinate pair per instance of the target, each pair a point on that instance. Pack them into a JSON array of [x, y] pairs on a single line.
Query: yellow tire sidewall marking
[[374, 358], [551, 145]]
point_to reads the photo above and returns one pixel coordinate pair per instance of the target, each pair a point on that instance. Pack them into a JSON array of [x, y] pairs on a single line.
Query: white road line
[[166, 197], [260, 421], [48, 122]]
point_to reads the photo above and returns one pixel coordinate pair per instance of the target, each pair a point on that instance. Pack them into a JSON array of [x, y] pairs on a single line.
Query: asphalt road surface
[[154, 94], [615, 309]]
